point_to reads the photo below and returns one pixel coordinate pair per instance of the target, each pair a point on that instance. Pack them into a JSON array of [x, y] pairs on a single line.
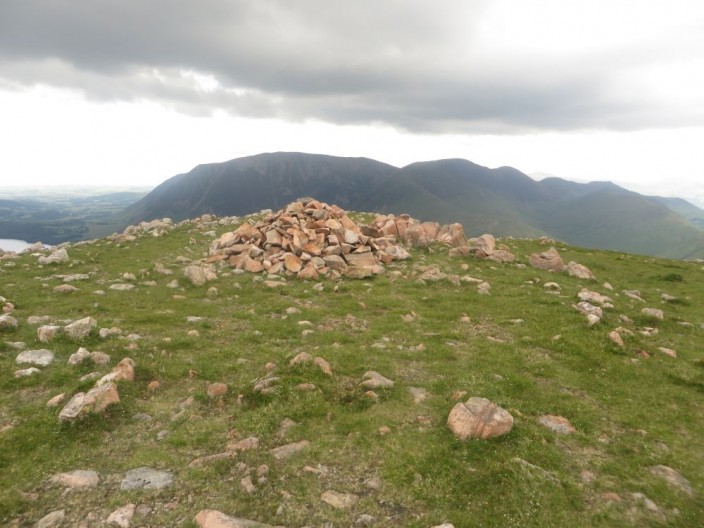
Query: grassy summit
[[522, 346]]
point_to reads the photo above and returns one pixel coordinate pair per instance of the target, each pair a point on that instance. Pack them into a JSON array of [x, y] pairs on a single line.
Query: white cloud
[[135, 92]]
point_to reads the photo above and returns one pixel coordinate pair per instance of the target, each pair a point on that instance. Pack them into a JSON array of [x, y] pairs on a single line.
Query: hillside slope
[[247, 395]]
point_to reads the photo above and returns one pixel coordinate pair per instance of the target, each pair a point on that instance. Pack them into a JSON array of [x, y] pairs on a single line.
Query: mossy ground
[[524, 348]]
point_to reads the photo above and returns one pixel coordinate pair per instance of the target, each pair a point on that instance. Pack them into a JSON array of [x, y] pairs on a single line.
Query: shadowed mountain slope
[[503, 201]]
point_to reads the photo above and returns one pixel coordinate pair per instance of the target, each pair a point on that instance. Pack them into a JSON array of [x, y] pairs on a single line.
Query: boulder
[[486, 244], [502, 255], [355, 272], [46, 333], [579, 271], [549, 260], [79, 356], [199, 274], [478, 418], [95, 400], [80, 328], [7, 322], [593, 297], [55, 257]]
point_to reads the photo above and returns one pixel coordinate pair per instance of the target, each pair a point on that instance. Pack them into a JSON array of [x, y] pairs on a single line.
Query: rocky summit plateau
[[315, 366]]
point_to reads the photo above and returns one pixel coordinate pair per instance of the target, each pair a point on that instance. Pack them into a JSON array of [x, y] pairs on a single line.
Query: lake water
[[9, 244]]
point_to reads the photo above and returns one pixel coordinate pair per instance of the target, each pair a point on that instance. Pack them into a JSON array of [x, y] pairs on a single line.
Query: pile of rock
[[422, 234], [78, 329], [551, 260], [103, 394], [56, 256], [308, 239], [155, 228], [411, 232]]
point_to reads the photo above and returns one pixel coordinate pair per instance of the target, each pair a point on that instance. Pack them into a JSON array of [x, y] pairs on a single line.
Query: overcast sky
[[133, 92]]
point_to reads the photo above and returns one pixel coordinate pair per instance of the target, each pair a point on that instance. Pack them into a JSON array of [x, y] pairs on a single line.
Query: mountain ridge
[[503, 200]]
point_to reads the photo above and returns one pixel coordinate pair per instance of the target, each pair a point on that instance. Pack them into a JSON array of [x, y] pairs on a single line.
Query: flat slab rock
[[478, 418], [145, 478], [52, 520], [216, 519], [374, 380], [78, 478], [41, 358], [559, 424], [673, 478], [341, 501], [288, 450], [122, 517]]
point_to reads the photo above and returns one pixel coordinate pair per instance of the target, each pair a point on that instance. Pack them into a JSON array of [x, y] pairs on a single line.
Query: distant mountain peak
[[503, 201]]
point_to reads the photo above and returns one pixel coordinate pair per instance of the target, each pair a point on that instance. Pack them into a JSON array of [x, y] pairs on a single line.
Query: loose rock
[[66, 288], [23, 373], [668, 352], [418, 394], [94, 401], [122, 517], [52, 520], [56, 400], [216, 519], [653, 312], [285, 451], [616, 338], [217, 390], [549, 260], [77, 479], [374, 380], [122, 287], [7, 322], [145, 478], [558, 424], [341, 501]]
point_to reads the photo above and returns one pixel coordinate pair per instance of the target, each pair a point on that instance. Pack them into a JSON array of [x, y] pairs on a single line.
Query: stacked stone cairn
[[309, 239]]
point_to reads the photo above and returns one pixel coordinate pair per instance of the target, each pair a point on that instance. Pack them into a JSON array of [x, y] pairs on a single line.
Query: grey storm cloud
[[411, 64]]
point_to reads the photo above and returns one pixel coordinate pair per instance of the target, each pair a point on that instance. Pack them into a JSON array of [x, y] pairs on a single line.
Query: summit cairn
[[309, 239]]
